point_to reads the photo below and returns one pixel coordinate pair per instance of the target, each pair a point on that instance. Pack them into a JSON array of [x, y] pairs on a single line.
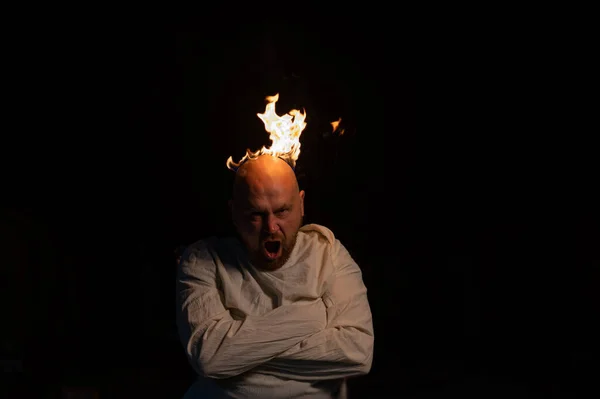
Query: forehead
[[261, 196], [261, 189]]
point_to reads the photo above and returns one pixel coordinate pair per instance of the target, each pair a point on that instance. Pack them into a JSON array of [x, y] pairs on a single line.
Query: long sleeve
[[345, 347], [222, 344]]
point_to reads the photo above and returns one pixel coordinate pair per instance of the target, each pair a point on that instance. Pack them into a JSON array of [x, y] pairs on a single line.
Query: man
[[280, 311]]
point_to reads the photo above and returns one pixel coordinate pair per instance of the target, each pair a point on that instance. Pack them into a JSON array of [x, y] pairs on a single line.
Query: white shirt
[[296, 332]]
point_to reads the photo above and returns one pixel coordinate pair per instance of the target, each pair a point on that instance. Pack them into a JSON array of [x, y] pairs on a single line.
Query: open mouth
[[272, 249]]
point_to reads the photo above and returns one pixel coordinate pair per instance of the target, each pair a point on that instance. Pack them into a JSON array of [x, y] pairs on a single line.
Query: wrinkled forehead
[[256, 189]]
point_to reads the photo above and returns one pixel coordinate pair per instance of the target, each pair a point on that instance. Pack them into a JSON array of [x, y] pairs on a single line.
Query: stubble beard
[[270, 265]]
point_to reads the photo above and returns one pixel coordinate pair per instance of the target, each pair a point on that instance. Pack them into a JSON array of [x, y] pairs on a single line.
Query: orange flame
[[284, 132], [335, 125]]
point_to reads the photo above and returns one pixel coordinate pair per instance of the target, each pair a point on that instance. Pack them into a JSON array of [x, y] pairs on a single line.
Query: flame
[[335, 125], [284, 132]]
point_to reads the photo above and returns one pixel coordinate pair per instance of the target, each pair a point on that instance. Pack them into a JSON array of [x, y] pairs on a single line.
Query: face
[[267, 211]]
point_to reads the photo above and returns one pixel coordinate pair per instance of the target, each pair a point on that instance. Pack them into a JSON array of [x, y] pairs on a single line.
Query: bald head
[[267, 209], [262, 174]]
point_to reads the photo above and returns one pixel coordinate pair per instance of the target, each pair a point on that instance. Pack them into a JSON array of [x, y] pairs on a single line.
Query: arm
[[345, 347], [219, 345]]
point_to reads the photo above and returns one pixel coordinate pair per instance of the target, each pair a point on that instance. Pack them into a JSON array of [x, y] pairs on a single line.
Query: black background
[[475, 229]]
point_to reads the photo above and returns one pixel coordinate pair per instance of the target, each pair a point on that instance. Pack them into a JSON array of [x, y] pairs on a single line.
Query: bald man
[[267, 209], [280, 310]]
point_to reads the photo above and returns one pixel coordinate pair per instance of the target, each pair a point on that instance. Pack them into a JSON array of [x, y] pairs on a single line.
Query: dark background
[[476, 231]]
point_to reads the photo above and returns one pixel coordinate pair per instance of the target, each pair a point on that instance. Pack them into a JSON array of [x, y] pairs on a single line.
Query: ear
[[302, 201]]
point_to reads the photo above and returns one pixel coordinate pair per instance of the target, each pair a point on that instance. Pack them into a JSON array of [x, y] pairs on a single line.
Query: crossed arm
[[329, 338]]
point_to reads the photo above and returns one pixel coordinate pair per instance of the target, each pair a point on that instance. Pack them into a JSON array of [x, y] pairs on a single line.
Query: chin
[[269, 266], [272, 264]]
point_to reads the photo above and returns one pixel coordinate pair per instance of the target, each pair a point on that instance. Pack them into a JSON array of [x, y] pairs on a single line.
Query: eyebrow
[[252, 209]]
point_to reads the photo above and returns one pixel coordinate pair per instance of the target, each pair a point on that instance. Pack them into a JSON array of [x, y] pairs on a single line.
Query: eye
[[253, 216], [282, 212]]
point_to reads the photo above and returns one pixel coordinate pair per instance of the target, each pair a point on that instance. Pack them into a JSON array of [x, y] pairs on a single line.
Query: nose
[[270, 224]]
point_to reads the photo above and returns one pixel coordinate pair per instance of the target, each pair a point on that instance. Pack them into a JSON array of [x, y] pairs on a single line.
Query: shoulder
[[320, 236], [199, 250], [208, 251], [318, 233], [200, 254]]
